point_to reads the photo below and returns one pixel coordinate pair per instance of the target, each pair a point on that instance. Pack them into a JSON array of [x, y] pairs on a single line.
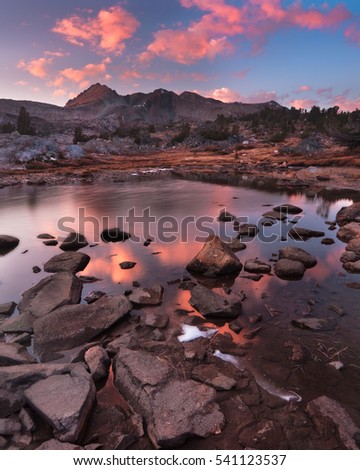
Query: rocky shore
[[118, 372]]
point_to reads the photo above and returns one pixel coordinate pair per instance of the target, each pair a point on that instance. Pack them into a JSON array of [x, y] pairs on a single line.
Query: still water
[[182, 214]]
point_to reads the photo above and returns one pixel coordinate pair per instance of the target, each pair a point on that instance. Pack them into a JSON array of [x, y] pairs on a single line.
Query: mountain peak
[[93, 94]]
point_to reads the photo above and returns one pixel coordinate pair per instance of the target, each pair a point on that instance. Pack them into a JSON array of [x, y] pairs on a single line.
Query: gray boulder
[[54, 444], [73, 242], [298, 254], [73, 325], [147, 295], [12, 354], [289, 270], [348, 214], [64, 402], [215, 259], [256, 266], [354, 246], [10, 426], [10, 402], [349, 232], [68, 261], [353, 268], [8, 308], [98, 362], [208, 303], [274, 215]]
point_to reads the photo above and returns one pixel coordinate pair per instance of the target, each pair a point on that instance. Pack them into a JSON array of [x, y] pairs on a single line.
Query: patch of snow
[[190, 333]]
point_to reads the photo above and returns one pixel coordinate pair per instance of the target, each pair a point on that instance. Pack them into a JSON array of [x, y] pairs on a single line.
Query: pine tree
[[24, 122]]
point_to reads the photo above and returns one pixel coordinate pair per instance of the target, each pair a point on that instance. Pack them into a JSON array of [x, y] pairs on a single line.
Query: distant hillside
[[101, 109]]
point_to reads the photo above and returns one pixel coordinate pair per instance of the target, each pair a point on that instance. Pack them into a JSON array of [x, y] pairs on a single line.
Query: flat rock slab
[[64, 402], [326, 407], [12, 354], [73, 242], [210, 375], [317, 324], [68, 262], [289, 270], [298, 254], [288, 209], [54, 444], [256, 266], [349, 232], [46, 236], [7, 244], [274, 215], [303, 234], [208, 303], [175, 409], [348, 214], [147, 295], [73, 325], [215, 259], [8, 308]]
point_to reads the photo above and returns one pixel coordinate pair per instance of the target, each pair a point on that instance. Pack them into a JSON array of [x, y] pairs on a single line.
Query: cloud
[[130, 74], [303, 89], [21, 83], [56, 53], [107, 32], [82, 75], [227, 95], [352, 32], [345, 103], [36, 67], [212, 34], [59, 92], [303, 103]]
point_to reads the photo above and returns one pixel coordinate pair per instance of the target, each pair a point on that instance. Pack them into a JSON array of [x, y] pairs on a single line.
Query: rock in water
[[349, 232], [68, 261], [208, 303], [65, 402], [287, 209], [7, 244], [127, 264], [147, 295], [256, 266], [289, 270], [113, 235], [73, 325], [73, 242], [317, 324], [348, 214], [298, 254], [303, 234], [8, 308], [246, 230], [225, 216], [215, 259]]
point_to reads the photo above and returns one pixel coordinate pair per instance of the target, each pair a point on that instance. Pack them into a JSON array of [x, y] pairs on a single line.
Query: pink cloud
[[130, 74], [346, 104], [37, 67], [303, 88], [21, 83], [59, 92], [352, 33], [227, 95], [303, 103], [107, 32], [56, 53], [211, 34], [82, 75]]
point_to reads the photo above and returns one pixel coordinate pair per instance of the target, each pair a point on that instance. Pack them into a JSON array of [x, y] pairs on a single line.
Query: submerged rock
[[303, 234], [69, 261], [288, 209], [216, 258], [208, 303], [318, 324], [7, 244], [73, 325], [73, 242], [289, 270], [65, 402], [298, 254]]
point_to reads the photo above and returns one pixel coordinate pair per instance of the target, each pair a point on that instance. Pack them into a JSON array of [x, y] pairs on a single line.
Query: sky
[[297, 52]]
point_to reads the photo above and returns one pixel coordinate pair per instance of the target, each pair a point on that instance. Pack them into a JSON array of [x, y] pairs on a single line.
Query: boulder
[[327, 241], [354, 246], [246, 230], [8, 308], [288, 269], [225, 216], [127, 265], [288, 209], [93, 296], [317, 324], [348, 214], [73, 242], [349, 257], [303, 234], [10, 426], [298, 254], [73, 325], [51, 243], [12, 354], [208, 303], [98, 362], [176, 409], [113, 235], [64, 402], [147, 295], [210, 375], [325, 407], [349, 232], [72, 262], [10, 402], [216, 258], [236, 245], [353, 268], [156, 319], [54, 444], [7, 244], [256, 266]]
